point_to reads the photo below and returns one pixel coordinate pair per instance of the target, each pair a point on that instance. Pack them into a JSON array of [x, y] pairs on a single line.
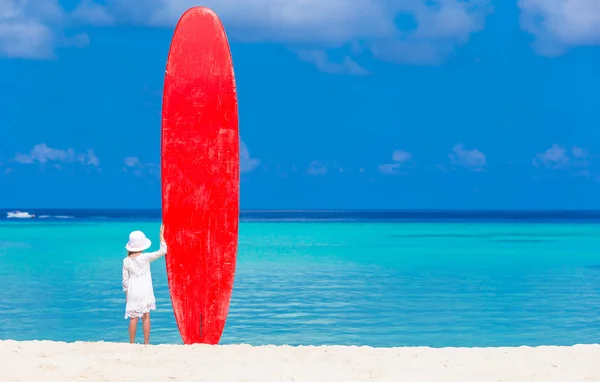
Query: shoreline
[[109, 361]]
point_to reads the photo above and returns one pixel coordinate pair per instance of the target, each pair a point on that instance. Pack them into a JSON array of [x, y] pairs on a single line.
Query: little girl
[[137, 281]]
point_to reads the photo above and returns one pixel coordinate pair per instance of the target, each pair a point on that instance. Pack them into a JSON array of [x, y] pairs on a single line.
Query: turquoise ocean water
[[377, 283]]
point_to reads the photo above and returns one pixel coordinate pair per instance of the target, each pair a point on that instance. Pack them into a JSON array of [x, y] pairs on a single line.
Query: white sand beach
[[100, 361]]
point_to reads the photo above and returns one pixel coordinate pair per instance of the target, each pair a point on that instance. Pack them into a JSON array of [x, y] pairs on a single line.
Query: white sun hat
[[138, 242]]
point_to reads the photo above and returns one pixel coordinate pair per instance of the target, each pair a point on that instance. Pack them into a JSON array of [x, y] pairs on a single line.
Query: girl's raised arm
[[163, 247]]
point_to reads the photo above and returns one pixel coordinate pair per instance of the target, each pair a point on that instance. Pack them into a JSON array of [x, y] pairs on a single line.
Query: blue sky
[[364, 104]]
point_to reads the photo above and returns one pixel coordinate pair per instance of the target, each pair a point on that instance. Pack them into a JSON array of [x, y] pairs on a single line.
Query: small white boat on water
[[19, 215]]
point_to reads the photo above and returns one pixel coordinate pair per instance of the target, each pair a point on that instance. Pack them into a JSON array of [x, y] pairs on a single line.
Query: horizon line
[[324, 210]]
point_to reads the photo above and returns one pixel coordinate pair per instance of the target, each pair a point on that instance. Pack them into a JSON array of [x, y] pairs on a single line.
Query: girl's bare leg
[[132, 328], [146, 326]]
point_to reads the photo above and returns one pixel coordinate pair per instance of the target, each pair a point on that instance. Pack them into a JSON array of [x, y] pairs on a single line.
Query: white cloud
[[578, 152], [283, 20], [560, 24], [400, 158], [321, 60], [557, 157], [139, 168], [428, 33], [473, 160], [317, 168], [131, 161], [93, 13], [31, 29], [42, 154], [431, 30], [247, 163], [388, 168], [90, 158]]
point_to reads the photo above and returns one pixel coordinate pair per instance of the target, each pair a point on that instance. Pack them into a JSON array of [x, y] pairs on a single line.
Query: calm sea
[[314, 277]]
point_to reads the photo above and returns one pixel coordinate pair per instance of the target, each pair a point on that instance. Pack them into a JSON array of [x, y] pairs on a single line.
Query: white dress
[[137, 282]]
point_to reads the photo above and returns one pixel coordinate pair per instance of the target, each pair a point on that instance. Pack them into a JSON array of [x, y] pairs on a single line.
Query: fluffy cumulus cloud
[[473, 159], [558, 157], [401, 159], [43, 154], [560, 24], [32, 29], [331, 34]]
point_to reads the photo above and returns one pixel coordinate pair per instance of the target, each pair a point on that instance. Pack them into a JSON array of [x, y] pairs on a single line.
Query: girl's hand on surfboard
[[162, 233]]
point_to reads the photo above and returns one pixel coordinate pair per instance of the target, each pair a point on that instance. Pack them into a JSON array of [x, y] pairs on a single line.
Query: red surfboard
[[200, 175]]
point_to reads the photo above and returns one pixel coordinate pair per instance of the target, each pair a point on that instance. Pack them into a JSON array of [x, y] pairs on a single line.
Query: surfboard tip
[[200, 10]]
